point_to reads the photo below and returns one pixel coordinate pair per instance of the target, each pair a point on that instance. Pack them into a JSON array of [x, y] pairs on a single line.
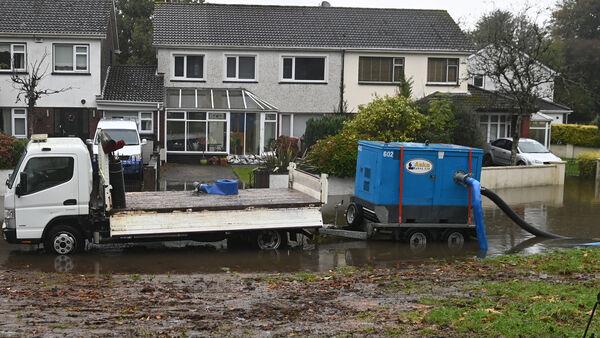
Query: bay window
[[304, 68], [442, 70], [380, 69], [188, 67], [12, 57], [71, 58], [240, 67]]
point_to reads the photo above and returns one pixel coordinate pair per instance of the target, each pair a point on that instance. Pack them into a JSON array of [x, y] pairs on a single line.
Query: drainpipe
[[341, 104]]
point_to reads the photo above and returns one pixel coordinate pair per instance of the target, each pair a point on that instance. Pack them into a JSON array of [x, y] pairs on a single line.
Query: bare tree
[[28, 85], [512, 59]]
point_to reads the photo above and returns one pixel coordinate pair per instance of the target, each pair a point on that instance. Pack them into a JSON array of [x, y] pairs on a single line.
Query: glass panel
[[285, 125], [188, 98], [20, 128], [502, 118], [310, 68], [478, 81], [287, 68], [502, 130], [176, 115], [173, 98], [236, 134], [483, 118], [63, 58], [18, 61], [246, 67], [436, 70], [176, 135], [196, 115], [81, 61], [4, 56], [398, 73], [271, 117], [204, 101], [453, 74], [484, 131], [235, 99], [231, 67], [493, 132], [375, 69], [146, 125], [270, 135], [46, 172], [251, 104], [217, 116], [196, 136], [252, 134], [146, 115], [81, 49], [220, 99], [217, 132], [179, 66], [494, 118], [19, 111], [195, 65], [18, 48], [453, 62]]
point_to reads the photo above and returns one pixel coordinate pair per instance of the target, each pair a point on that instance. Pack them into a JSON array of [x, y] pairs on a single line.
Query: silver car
[[529, 152]]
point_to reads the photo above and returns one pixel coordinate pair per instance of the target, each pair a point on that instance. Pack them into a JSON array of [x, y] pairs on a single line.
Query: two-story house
[[237, 76], [74, 42]]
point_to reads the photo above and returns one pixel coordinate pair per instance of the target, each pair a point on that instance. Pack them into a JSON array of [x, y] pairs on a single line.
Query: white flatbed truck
[[54, 197]]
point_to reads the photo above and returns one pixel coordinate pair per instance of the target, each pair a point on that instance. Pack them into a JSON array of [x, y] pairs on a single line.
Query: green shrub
[[284, 150], [335, 155], [321, 127], [587, 163], [11, 149], [578, 135], [440, 123]]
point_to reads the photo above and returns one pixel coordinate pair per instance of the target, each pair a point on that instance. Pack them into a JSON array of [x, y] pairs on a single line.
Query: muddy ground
[[390, 301]]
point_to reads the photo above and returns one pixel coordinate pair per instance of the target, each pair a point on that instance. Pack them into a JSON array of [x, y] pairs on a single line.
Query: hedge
[[587, 163], [10, 150], [578, 135], [321, 127]]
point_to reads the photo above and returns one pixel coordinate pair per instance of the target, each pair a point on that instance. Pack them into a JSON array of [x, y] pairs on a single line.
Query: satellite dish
[[325, 4]]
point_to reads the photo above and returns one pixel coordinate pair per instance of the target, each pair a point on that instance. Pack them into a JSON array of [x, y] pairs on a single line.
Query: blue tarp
[[220, 187]]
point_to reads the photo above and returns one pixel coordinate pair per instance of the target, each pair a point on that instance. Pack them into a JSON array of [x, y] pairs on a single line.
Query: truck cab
[[49, 191], [131, 154]]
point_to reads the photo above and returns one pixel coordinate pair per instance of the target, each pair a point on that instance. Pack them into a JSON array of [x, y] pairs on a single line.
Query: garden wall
[[523, 176], [568, 151]]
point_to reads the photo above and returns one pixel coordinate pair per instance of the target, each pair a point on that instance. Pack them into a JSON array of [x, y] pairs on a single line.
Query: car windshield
[[128, 135], [531, 146], [11, 179]]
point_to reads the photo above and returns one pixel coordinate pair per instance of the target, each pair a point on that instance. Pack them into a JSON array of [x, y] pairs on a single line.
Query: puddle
[[570, 211]]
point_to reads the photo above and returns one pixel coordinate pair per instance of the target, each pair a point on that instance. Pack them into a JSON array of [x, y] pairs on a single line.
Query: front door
[[72, 123]]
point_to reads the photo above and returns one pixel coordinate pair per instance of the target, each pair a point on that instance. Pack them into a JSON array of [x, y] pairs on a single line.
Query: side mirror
[[144, 141], [7, 183], [21, 188], [89, 142]]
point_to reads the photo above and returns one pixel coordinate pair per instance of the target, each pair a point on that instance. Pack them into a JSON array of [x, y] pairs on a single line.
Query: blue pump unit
[[414, 182]]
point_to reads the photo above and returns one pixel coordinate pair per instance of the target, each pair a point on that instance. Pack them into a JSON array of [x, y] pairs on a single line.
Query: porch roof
[[224, 99]]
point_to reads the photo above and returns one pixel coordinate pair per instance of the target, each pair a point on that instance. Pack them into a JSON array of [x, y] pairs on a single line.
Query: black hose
[[516, 218]]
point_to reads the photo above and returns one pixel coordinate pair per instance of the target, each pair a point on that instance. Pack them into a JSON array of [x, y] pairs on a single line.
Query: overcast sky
[[465, 12]]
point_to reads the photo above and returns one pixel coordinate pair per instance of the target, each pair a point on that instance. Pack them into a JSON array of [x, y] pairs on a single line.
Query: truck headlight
[[9, 213]]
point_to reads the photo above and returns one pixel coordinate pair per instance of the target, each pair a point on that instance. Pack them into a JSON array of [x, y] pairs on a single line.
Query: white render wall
[[83, 86], [415, 68], [288, 97]]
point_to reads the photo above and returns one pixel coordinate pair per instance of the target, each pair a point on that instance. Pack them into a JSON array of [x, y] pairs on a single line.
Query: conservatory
[[218, 122]]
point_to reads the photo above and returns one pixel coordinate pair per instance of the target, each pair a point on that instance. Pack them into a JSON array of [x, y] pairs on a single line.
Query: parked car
[[529, 152], [131, 153]]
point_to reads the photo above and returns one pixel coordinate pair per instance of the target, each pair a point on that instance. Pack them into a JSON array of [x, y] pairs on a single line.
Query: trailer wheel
[[417, 240], [63, 240], [269, 240], [455, 239], [353, 215]]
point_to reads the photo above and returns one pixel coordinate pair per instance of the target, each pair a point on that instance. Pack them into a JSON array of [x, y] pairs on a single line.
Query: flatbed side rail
[[313, 185]]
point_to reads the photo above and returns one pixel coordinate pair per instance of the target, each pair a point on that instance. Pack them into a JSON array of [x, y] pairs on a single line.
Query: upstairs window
[[71, 58], [188, 67], [478, 81], [303, 68], [240, 67], [443, 71], [12, 57], [380, 69]]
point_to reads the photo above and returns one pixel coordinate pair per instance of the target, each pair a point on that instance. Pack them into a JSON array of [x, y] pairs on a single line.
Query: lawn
[[244, 173]]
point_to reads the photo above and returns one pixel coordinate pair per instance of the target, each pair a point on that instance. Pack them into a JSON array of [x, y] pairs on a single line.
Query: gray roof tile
[[295, 26], [134, 83], [62, 17]]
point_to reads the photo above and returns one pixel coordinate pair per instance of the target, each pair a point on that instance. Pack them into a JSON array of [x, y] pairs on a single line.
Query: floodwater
[[572, 210]]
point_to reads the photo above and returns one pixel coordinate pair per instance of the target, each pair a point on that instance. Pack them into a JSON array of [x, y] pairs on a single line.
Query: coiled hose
[[516, 218]]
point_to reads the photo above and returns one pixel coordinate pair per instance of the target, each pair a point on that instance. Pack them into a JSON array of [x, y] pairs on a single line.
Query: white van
[[131, 153]]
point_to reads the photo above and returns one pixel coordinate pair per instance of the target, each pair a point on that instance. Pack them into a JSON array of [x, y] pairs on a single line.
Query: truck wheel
[[353, 215], [269, 239], [63, 240], [455, 239], [417, 240]]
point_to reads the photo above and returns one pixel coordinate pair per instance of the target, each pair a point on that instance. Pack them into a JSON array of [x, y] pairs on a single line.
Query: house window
[[188, 66], [71, 58], [443, 71], [240, 67], [270, 130], [19, 122], [478, 81], [12, 57], [303, 69], [145, 124], [494, 126], [380, 69]]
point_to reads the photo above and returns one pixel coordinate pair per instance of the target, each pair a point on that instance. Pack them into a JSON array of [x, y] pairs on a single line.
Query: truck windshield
[[129, 136], [11, 179]]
